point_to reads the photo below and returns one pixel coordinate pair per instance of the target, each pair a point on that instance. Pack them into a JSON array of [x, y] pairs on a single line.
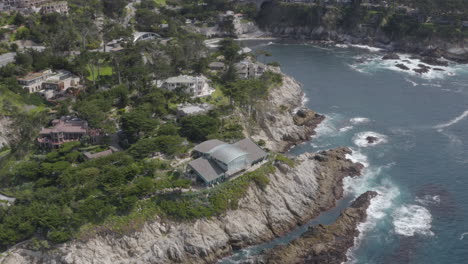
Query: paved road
[[7, 58]]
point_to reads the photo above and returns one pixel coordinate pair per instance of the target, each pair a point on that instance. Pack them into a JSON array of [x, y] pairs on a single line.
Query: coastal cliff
[[323, 244], [378, 28], [281, 120], [294, 195]]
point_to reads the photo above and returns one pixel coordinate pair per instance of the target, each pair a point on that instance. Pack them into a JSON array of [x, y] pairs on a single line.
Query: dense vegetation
[[422, 19], [62, 195]]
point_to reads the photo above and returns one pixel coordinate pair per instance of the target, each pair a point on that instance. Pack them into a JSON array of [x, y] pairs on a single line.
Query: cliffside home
[[33, 81], [247, 69], [193, 109], [217, 66], [197, 86], [49, 84], [60, 7], [66, 129], [43, 6], [217, 161]]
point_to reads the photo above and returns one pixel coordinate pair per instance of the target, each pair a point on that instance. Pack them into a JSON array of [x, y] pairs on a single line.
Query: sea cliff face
[[281, 120], [294, 195]]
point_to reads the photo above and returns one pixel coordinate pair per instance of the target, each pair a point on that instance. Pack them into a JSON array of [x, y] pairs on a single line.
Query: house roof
[[254, 151], [184, 79], [227, 153], [207, 169], [208, 145], [34, 75], [217, 64]]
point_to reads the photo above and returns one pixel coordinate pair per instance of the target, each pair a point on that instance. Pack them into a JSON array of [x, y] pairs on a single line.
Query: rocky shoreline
[[281, 120], [322, 244], [457, 52]]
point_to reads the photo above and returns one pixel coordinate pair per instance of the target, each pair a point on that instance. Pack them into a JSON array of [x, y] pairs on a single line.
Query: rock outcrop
[[5, 131], [323, 244], [281, 120], [293, 196]]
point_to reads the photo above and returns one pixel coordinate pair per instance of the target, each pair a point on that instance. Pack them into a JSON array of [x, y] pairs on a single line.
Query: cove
[[419, 168]]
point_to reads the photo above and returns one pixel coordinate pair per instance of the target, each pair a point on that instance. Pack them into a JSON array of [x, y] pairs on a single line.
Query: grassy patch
[[102, 70], [160, 2], [282, 158], [216, 98]]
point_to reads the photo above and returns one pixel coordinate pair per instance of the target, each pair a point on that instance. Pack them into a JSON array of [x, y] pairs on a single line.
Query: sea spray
[[411, 219], [362, 139], [380, 206], [359, 120]]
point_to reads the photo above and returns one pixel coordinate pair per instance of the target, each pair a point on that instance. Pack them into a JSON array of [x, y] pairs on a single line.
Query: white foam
[[359, 120], [346, 128], [343, 46], [360, 139], [372, 49], [357, 156], [327, 127], [463, 235], [377, 210], [409, 220], [428, 200], [453, 121], [375, 63], [412, 82]]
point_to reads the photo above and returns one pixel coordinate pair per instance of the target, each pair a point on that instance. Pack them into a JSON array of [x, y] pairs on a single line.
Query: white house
[[247, 69], [197, 86], [49, 83]]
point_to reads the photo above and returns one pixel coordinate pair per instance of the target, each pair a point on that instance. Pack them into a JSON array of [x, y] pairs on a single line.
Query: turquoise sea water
[[420, 164]]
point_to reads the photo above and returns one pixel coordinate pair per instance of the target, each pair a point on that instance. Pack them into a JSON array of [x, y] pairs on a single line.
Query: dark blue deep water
[[419, 166]]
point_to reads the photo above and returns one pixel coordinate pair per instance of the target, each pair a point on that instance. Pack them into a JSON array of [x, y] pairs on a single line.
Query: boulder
[[391, 56], [402, 66]]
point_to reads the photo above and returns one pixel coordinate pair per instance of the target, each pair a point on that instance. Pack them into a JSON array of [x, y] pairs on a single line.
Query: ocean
[[418, 165]]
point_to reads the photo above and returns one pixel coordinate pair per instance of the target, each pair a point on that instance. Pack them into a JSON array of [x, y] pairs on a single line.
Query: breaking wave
[[374, 63], [428, 200], [346, 128], [359, 120], [380, 205], [361, 139], [357, 156], [409, 220], [453, 121], [463, 235]]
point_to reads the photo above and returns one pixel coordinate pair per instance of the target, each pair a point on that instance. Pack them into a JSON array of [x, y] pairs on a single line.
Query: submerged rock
[[422, 69], [372, 139], [434, 61]]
